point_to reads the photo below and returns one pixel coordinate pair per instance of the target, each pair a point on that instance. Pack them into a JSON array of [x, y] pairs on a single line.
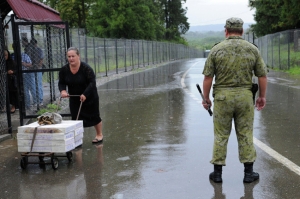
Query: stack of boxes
[[57, 138]]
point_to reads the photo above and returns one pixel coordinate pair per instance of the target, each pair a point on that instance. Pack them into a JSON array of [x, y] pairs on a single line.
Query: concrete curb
[[5, 137]]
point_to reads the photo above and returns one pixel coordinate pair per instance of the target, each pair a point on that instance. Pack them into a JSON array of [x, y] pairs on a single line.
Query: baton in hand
[[209, 110]]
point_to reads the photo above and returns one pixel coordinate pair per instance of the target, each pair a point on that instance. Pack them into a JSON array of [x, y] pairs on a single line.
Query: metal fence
[[279, 50], [115, 55], [105, 56]]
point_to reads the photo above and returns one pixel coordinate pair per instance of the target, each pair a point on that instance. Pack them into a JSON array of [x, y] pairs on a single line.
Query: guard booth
[[206, 52], [37, 33]]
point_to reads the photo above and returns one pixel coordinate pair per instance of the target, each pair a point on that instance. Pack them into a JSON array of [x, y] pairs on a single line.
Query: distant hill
[[212, 27]]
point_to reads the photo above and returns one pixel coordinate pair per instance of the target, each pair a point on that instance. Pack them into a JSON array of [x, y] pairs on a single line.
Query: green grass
[[294, 71], [50, 108]]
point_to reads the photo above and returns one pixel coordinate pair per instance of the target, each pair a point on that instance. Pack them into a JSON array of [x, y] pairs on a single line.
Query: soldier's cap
[[234, 22]]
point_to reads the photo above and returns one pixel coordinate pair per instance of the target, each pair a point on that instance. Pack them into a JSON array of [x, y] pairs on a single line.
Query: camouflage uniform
[[232, 63]]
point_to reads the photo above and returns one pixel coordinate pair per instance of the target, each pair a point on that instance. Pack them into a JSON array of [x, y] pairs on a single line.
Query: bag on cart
[[49, 118]]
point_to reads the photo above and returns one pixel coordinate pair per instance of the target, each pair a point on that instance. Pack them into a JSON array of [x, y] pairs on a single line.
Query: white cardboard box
[[46, 136], [64, 127], [78, 131], [79, 142], [22, 142], [56, 149], [78, 137]]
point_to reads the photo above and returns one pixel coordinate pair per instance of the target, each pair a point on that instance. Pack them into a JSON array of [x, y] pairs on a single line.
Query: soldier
[[232, 62]]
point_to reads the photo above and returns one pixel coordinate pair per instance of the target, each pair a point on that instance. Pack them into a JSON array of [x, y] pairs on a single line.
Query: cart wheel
[[24, 162], [70, 156], [54, 162]]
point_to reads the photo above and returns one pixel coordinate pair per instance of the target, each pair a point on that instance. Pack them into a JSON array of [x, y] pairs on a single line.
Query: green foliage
[[49, 108], [160, 20], [174, 18], [272, 16], [204, 40], [130, 19], [73, 11]]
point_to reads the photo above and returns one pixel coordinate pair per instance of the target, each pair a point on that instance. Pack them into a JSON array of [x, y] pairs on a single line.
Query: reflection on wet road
[[158, 143]]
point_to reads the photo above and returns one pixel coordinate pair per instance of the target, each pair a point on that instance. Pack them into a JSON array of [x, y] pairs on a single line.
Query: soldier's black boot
[[250, 176], [216, 176]]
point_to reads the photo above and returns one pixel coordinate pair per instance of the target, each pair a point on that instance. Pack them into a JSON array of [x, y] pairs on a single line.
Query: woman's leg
[[99, 135]]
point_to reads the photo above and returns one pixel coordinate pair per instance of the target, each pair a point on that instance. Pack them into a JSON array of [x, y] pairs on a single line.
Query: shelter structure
[[31, 21]]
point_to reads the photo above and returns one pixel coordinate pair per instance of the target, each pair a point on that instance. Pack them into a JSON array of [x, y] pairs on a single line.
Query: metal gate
[[39, 51], [5, 119]]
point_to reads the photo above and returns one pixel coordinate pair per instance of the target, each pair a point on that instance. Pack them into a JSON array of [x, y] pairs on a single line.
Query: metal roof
[[33, 10]]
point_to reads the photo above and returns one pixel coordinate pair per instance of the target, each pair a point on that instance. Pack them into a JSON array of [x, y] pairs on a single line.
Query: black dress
[[12, 83], [82, 82]]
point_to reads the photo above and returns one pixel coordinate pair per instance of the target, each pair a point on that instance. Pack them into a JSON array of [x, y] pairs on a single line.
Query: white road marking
[[283, 160], [280, 158]]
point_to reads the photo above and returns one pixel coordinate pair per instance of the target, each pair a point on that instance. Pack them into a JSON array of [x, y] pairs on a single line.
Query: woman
[[80, 79], [12, 81]]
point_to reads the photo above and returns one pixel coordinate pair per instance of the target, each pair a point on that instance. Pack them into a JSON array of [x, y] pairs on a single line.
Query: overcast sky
[[205, 12]]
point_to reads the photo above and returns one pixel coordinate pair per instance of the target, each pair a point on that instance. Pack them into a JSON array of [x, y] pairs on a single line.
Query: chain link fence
[[39, 50], [5, 122], [121, 55], [279, 50]]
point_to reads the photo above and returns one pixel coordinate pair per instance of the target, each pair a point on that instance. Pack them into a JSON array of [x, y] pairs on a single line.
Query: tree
[[267, 16], [290, 14], [73, 11], [175, 20], [131, 19], [275, 15]]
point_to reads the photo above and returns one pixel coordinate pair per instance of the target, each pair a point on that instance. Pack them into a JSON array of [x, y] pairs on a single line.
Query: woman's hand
[[64, 94], [10, 72], [82, 98]]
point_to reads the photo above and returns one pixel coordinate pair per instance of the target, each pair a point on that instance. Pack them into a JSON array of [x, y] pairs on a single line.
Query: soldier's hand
[[260, 103], [206, 103]]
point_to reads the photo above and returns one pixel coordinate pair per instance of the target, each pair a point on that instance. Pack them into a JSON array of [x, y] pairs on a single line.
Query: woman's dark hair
[[8, 58]]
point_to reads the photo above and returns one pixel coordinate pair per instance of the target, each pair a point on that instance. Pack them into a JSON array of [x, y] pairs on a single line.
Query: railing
[[107, 55]]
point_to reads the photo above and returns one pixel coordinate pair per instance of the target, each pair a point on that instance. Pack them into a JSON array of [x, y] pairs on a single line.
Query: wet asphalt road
[[158, 144]]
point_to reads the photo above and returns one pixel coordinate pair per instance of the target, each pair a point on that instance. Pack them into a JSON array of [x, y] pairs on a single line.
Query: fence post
[[288, 38], [116, 46], [132, 54], [94, 48], [105, 59], [148, 52], [125, 65], [279, 60]]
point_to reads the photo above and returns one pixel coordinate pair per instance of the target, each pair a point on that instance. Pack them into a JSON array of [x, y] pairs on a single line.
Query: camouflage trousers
[[236, 104]]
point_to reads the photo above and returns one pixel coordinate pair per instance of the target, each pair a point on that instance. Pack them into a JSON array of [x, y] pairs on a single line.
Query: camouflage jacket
[[232, 62]]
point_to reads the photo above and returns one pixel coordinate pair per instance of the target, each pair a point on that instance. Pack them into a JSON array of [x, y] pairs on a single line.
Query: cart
[[54, 160], [41, 155]]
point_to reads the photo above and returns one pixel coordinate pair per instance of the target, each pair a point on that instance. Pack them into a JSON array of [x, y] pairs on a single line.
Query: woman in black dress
[[78, 78], [12, 81]]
